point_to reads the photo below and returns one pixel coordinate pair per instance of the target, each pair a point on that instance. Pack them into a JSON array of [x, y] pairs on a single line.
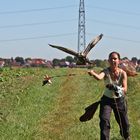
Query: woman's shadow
[[89, 112]]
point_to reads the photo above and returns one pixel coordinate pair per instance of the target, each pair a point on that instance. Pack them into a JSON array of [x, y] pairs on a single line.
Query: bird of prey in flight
[[82, 56]]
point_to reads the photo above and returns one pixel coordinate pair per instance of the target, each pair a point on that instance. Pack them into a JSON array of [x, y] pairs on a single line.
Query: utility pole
[[81, 27]]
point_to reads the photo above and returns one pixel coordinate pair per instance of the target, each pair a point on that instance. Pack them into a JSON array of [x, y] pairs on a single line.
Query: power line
[[116, 24], [36, 23], [118, 38], [123, 39], [68, 6], [115, 10], [68, 20], [36, 37], [61, 7], [39, 23], [35, 10], [66, 34]]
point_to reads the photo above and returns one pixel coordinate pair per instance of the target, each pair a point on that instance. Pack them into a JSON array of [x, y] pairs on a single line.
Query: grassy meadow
[[30, 111]]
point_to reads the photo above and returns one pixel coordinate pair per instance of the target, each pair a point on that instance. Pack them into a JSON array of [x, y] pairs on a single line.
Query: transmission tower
[[81, 27]]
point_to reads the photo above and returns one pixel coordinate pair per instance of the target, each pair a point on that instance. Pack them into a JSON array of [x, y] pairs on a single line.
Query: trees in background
[[67, 61], [20, 60]]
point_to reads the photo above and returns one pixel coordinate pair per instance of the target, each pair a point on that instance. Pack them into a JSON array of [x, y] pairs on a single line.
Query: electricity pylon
[[81, 27]]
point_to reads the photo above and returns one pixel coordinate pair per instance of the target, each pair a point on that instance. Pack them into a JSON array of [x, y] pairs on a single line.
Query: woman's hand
[[91, 72]]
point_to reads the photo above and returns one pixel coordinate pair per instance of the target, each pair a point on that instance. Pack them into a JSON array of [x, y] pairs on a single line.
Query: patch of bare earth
[[60, 117]]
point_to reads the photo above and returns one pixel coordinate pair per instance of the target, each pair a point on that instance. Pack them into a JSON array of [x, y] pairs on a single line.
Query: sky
[[28, 26]]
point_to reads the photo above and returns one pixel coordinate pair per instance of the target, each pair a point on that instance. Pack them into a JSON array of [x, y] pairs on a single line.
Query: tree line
[[71, 60]]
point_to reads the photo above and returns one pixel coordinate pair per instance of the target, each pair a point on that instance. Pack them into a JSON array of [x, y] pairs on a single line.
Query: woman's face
[[114, 60]]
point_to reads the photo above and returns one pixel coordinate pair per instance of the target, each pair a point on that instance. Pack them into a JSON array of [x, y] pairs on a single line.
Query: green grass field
[[29, 111]]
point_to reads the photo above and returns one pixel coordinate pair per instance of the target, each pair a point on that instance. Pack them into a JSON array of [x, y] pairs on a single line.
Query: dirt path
[[60, 117]]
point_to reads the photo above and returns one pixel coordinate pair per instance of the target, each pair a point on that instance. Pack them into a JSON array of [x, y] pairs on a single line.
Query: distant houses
[[39, 62], [35, 62], [2, 62]]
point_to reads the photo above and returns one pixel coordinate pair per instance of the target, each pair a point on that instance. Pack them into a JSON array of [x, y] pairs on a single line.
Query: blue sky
[[28, 26]]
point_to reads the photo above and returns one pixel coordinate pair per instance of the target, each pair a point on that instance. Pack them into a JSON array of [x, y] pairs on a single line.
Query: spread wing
[[65, 50], [128, 67], [92, 44]]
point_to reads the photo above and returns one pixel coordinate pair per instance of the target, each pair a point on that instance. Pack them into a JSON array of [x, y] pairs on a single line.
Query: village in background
[[69, 61]]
